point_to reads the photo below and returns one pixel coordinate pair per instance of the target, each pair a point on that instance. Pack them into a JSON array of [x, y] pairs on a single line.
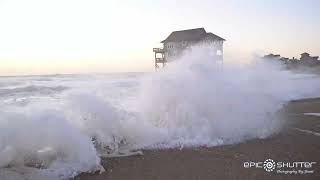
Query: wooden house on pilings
[[179, 41]]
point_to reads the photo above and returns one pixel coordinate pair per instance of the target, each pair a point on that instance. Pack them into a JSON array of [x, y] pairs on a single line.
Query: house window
[[169, 46]]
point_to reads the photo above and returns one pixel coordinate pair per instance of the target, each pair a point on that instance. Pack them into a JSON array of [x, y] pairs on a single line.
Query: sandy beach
[[298, 141]]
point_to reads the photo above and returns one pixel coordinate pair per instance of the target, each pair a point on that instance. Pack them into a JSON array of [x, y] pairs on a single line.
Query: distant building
[[272, 56], [179, 41], [306, 56], [305, 60], [308, 60]]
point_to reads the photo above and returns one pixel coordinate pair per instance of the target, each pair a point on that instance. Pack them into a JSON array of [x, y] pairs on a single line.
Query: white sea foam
[[192, 102], [312, 114]]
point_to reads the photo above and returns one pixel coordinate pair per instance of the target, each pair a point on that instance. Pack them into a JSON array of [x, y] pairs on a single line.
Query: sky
[[86, 36]]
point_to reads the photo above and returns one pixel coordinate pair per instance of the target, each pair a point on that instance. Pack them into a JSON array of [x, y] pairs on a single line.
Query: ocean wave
[[192, 102], [32, 89]]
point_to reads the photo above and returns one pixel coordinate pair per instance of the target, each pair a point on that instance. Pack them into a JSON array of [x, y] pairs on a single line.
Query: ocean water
[[57, 126]]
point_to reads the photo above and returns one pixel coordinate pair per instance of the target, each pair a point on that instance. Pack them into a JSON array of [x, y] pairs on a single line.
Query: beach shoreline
[[294, 143]]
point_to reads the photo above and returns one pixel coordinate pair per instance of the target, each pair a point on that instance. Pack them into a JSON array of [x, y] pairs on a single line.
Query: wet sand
[[298, 141]]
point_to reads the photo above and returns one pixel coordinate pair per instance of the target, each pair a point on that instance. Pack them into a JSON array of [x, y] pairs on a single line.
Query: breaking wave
[[32, 89], [192, 102]]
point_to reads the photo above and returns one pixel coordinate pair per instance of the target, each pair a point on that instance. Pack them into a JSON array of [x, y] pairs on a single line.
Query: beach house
[[179, 41]]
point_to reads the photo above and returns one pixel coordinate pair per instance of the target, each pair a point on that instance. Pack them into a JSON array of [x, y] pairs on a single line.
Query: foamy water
[[55, 127]]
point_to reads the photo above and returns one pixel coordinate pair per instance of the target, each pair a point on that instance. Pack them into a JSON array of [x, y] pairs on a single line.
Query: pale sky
[[83, 36]]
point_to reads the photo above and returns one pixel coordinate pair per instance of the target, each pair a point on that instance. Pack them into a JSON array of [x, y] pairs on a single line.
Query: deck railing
[[158, 50], [160, 60]]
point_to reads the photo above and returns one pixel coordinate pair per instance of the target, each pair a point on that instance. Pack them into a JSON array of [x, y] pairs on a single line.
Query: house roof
[[215, 36], [272, 56], [190, 35]]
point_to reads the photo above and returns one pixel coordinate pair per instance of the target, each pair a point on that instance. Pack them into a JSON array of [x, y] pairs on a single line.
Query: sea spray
[[199, 102], [42, 138]]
